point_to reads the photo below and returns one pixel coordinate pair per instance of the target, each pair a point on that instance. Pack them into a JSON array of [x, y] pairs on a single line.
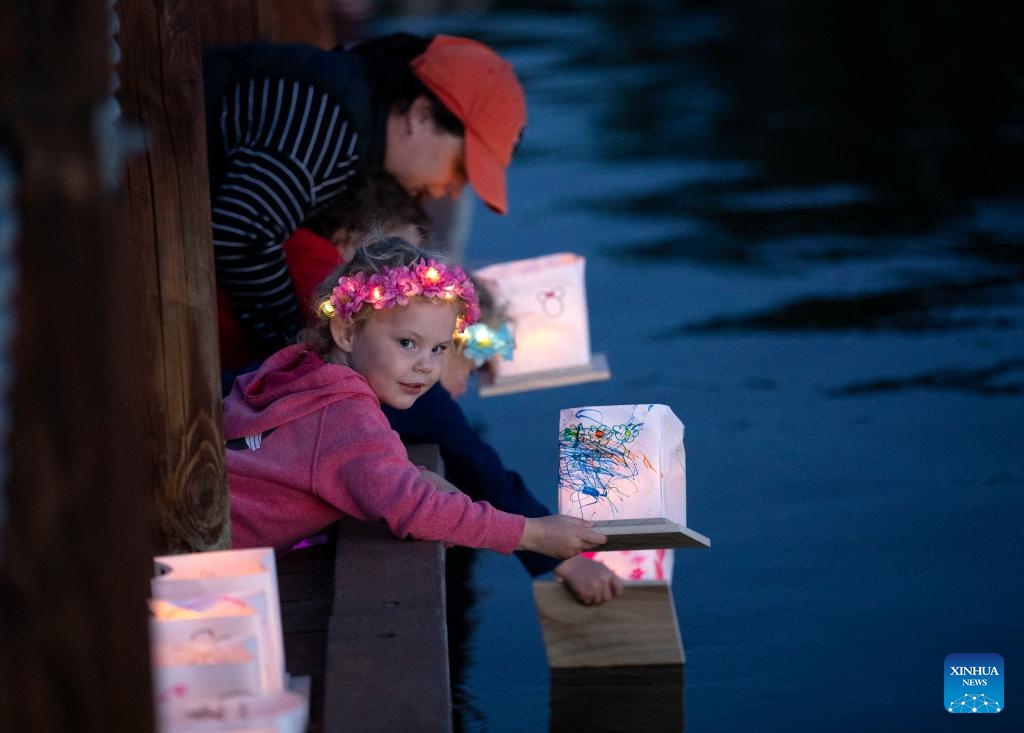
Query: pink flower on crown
[[395, 286], [432, 277], [404, 284], [350, 294], [378, 294]]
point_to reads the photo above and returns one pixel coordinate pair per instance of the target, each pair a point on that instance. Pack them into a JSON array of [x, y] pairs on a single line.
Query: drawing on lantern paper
[[595, 462]]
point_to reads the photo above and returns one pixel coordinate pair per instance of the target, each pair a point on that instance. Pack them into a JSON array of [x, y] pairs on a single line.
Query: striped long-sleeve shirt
[[285, 144]]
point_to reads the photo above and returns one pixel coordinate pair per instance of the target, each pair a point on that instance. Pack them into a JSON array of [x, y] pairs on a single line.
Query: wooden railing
[[364, 617]]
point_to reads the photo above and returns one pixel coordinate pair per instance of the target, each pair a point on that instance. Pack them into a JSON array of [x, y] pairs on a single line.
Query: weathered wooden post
[[74, 569], [166, 218], [227, 22]]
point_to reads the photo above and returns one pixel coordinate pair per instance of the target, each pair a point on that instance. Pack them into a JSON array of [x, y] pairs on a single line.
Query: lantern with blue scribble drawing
[[624, 467]]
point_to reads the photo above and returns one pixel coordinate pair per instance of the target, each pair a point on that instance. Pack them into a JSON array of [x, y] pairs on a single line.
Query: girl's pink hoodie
[[308, 444]]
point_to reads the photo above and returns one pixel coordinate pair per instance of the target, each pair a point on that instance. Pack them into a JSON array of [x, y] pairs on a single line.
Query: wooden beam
[[74, 650], [387, 666], [355, 659], [387, 655], [226, 22], [166, 217], [648, 534], [595, 371]]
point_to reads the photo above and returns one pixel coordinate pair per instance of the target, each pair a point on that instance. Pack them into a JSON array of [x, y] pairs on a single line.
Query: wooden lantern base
[[648, 534], [638, 628], [596, 371]]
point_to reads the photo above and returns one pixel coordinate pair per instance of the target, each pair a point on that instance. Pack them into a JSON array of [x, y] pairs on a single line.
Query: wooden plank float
[[596, 371], [648, 534], [614, 664], [637, 628]]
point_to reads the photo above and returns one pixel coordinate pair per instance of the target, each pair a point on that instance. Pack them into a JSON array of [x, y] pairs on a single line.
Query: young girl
[[308, 442]]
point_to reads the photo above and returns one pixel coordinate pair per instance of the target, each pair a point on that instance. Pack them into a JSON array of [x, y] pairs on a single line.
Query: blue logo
[[973, 683]]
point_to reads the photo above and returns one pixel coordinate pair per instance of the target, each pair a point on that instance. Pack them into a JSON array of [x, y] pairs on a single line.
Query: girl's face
[[400, 350]]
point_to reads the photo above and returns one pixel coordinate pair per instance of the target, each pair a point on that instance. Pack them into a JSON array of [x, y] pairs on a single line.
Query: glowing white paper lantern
[[250, 575], [203, 648], [546, 301], [622, 462], [624, 467]]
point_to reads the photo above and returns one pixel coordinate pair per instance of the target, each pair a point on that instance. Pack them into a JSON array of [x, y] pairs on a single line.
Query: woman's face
[[426, 160]]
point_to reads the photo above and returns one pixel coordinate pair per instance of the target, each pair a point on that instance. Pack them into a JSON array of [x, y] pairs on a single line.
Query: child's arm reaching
[[590, 581], [559, 536]]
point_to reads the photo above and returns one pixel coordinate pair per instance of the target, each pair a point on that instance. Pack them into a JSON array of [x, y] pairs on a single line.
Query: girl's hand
[[591, 582], [559, 536]]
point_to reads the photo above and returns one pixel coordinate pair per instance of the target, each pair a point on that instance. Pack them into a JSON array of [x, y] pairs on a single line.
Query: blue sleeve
[[470, 463]]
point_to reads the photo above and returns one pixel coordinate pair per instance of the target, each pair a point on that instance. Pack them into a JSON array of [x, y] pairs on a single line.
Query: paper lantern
[[624, 467], [203, 648], [248, 575], [280, 712], [546, 301]]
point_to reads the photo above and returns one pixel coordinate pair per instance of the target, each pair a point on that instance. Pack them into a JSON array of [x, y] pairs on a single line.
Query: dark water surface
[[804, 231]]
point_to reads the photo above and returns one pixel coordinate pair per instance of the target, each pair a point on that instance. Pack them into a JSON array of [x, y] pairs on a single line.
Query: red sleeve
[[310, 259]]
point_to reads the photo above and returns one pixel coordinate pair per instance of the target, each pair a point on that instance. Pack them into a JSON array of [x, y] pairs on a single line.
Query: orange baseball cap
[[481, 89]]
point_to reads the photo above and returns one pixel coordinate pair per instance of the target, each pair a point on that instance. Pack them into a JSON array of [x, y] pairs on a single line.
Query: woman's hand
[[559, 536], [591, 582]]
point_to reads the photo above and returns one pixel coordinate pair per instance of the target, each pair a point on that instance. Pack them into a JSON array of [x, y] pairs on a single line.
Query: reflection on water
[[1002, 379], [610, 699], [804, 224], [930, 308]]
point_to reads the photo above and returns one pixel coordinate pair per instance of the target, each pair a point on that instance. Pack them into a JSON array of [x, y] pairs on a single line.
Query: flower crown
[[396, 285], [481, 343]]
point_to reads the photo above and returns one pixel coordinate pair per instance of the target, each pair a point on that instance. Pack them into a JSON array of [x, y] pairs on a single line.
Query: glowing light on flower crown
[[395, 286], [481, 343]]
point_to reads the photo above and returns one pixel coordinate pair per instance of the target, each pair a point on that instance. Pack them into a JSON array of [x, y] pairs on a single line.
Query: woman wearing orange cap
[[291, 127]]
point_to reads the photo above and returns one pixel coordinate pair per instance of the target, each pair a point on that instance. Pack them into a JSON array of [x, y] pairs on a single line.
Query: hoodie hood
[[288, 386]]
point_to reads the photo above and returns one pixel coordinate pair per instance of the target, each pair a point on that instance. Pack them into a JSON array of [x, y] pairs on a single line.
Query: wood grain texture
[[387, 667], [382, 663], [596, 371], [225, 22], [648, 534], [74, 645], [166, 216], [637, 628], [305, 580]]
